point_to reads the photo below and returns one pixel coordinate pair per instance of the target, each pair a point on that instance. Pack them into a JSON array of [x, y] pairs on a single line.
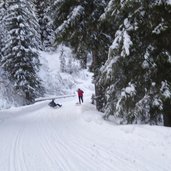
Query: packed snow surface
[[76, 138]]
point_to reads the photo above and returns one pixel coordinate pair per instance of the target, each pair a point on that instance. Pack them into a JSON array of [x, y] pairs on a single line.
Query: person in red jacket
[[80, 95]]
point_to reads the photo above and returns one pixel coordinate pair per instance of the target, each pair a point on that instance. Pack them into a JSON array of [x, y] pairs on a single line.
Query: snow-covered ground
[[75, 137]]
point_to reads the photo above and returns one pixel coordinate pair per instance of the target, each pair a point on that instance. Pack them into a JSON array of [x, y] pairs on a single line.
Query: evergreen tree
[[45, 23], [20, 58], [8, 95], [2, 26], [76, 25], [136, 72]]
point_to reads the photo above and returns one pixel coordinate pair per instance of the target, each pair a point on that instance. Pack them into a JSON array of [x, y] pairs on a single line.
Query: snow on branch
[[71, 19], [165, 89], [160, 28]]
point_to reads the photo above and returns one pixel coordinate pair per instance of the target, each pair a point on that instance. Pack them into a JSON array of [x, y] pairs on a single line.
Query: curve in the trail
[[47, 139], [40, 138]]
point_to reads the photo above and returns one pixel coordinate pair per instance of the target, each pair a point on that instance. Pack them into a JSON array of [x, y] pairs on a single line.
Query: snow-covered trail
[[75, 138]]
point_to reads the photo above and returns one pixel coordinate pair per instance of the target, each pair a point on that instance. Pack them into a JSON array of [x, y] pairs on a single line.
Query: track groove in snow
[[76, 138]]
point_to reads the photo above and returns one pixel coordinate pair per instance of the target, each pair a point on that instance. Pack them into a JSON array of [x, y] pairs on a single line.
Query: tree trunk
[[167, 113]]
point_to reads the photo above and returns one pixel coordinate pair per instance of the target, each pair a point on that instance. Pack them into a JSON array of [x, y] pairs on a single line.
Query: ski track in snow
[[72, 138]]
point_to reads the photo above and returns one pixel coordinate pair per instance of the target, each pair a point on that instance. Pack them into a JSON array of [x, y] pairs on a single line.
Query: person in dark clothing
[[53, 104], [80, 95]]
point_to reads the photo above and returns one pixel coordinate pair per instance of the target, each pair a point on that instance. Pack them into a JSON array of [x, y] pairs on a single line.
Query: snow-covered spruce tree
[[67, 14], [135, 77], [161, 54], [45, 22], [108, 23], [76, 25], [19, 55], [2, 25], [8, 95]]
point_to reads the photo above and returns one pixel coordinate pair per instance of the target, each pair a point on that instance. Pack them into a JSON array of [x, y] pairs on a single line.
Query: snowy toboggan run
[[76, 138]]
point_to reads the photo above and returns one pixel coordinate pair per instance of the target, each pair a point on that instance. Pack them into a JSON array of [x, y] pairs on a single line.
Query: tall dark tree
[[135, 77], [19, 56], [45, 23], [2, 25], [76, 24]]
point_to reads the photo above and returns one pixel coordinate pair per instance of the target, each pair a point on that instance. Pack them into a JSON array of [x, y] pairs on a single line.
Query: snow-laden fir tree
[[135, 78], [2, 26], [8, 95], [43, 10], [76, 25], [67, 17], [19, 55]]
